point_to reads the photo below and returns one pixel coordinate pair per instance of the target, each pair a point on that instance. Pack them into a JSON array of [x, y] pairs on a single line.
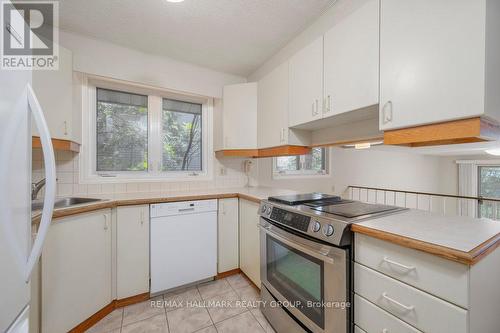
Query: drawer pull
[[385, 330], [401, 305], [392, 262]]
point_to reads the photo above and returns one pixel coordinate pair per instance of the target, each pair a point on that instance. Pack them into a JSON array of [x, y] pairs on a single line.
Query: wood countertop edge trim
[[466, 258], [113, 203]]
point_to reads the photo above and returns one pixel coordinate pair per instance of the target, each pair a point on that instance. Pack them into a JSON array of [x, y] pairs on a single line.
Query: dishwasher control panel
[[183, 207]]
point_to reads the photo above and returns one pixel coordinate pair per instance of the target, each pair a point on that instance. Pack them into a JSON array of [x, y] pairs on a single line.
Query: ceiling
[[232, 36]]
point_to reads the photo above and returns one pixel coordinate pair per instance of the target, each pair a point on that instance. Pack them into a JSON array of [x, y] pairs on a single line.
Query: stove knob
[[263, 209], [316, 226], [328, 230], [268, 210]]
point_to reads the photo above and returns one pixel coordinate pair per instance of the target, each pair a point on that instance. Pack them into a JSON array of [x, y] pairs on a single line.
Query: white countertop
[[454, 232]]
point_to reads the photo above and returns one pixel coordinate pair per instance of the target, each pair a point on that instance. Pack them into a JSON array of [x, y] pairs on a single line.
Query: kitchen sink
[[63, 202]]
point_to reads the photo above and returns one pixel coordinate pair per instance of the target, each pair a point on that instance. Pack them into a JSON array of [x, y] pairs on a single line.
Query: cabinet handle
[[312, 111], [105, 222], [328, 103], [401, 305], [387, 112], [385, 330], [65, 127], [395, 263], [317, 108], [142, 216], [222, 208]]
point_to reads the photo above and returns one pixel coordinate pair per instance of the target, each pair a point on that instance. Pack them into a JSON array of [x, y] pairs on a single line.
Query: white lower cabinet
[[398, 289], [409, 304], [250, 240], [227, 232], [76, 270], [132, 251], [443, 278]]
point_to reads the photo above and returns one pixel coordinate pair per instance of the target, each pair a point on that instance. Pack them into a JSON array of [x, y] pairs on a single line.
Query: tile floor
[[222, 306]]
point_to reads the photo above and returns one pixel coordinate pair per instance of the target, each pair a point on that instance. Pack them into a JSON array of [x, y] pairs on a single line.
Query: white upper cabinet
[[54, 90], [272, 115], [239, 119], [438, 61], [306, 84], [351, 64]]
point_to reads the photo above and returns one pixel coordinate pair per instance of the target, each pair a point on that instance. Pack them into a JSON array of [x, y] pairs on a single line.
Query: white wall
[[374, 168], [98, 57], [101, 58]]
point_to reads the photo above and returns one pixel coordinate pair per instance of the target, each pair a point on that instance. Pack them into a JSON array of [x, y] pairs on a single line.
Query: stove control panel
[[329, 230], [293, 220]]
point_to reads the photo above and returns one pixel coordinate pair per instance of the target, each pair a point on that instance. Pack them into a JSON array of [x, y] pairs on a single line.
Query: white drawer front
[[375, 320], [417, 308], [443, 278]]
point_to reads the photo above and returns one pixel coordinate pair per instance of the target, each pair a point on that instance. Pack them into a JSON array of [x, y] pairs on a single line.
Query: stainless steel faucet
[[36, 187]]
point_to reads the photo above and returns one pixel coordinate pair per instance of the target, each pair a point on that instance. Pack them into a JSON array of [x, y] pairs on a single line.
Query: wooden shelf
[[251, 153], [452, 132], [58, 144], [287, 150], [284, 151]]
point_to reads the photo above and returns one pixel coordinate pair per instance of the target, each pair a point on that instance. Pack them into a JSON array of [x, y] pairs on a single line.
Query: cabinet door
[[132, 255], [272, 112], [228, 252], [76, 270], [306, 84], [54, 90], [240, 116], [250, 240], [432, 57], [352, 61]]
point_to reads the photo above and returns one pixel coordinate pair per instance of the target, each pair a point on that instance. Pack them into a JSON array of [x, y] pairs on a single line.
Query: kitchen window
[[489, 187], [122, 131], [313, 164], [140, 134]]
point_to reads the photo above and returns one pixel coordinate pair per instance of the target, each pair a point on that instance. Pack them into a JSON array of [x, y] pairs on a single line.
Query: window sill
[[149, 179]]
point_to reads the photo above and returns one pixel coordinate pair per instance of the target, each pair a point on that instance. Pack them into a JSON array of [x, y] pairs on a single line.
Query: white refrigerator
[[18, 251]]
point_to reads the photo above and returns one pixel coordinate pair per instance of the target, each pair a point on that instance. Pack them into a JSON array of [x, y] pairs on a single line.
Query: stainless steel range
[[305, 243]]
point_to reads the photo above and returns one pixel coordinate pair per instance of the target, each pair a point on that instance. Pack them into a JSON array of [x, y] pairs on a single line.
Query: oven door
[[308, 278]]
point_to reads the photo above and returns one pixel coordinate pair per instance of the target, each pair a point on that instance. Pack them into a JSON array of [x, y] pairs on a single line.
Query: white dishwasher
[[183, 243]]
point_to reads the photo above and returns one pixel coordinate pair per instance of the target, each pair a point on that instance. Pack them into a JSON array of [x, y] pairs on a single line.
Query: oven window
[[298, 277]]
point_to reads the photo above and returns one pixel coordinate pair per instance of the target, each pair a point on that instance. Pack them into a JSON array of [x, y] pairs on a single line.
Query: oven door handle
[[316, 253]]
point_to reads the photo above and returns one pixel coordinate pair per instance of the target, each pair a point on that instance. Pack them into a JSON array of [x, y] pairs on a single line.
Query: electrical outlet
[[222, 171], [333, 188]]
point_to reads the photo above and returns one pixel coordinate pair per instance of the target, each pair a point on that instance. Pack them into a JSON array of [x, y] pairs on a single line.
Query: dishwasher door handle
[[186, 209]]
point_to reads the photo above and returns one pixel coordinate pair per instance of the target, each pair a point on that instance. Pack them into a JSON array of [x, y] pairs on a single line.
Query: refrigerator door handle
[[50, 185]]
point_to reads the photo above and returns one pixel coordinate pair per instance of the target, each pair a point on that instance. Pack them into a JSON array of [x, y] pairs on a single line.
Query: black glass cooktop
[[299, 199], [355, 209]]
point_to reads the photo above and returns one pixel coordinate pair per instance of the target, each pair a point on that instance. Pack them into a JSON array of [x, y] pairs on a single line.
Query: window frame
[[302, 173], [88, 152], [492, 164]]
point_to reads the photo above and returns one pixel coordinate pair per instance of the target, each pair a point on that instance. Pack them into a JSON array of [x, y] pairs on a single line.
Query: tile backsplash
[[67, 167]]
